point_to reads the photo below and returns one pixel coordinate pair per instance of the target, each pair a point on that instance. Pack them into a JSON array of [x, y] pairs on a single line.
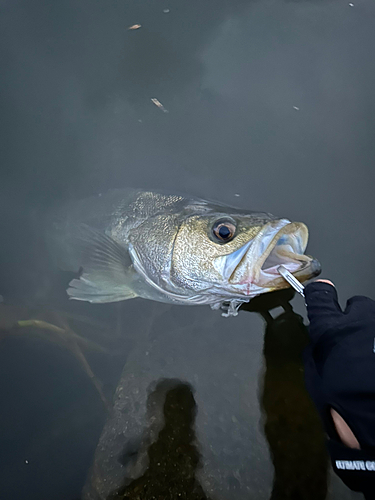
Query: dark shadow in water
[[291, 423], [173, 457]]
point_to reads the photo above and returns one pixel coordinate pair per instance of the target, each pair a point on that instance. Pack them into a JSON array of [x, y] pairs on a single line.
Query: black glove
[[340, 374], [329, 324]]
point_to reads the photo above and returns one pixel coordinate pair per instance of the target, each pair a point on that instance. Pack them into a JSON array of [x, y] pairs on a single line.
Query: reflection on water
[[173, 457], [291, 423], [168, 452]]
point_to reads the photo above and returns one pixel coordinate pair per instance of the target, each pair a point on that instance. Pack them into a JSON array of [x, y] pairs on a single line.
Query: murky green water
[[270, 107]]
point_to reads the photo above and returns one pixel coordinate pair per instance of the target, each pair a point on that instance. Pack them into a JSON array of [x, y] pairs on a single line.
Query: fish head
[[208, 254], [225, 256]]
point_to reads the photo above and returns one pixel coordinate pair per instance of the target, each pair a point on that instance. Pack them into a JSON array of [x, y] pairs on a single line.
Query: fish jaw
[[252, 269]]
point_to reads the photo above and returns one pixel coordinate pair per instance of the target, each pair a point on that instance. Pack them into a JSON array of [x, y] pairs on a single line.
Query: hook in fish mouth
[[254, 266]]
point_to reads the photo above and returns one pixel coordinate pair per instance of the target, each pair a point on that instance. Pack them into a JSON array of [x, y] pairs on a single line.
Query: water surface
[[270, 107]]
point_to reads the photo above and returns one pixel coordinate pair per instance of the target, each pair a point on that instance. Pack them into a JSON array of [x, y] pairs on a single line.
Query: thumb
[[323, 308]]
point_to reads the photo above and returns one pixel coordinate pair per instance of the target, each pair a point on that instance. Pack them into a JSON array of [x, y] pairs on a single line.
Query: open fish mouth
[[253, 268], [286, 248]]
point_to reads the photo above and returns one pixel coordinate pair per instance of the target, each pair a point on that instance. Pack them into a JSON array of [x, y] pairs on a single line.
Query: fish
[[175, 249]]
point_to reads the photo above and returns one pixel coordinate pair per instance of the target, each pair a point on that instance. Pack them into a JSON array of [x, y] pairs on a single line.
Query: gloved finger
[[323, 309], [360, 307], [321, 298]]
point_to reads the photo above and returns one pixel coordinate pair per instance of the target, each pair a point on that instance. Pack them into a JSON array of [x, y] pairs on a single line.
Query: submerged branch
[[63, 336]]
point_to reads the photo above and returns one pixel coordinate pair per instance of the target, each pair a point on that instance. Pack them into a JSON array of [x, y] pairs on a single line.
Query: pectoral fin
[[107, 269]]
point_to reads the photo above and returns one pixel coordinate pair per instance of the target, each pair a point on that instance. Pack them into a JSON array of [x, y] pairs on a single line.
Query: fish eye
[[224, 230]]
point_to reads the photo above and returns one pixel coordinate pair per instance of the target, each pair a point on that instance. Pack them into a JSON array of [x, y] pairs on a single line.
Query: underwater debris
[[60, 334]]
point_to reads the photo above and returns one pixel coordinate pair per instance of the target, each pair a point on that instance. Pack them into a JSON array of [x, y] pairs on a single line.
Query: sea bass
[[174, 249]]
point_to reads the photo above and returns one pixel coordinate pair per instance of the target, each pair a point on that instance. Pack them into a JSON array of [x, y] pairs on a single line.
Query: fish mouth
[[253, 268], [287, 247]]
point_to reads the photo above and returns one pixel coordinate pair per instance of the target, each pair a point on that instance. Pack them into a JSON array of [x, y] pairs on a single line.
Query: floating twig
[[159, 105]]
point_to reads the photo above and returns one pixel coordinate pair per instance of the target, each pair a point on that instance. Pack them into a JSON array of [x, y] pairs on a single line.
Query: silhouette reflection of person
[[291, 424], [173, 457], [340, 376]]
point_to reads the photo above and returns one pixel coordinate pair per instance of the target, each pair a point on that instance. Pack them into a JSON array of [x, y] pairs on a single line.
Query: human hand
[[325, 313]]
